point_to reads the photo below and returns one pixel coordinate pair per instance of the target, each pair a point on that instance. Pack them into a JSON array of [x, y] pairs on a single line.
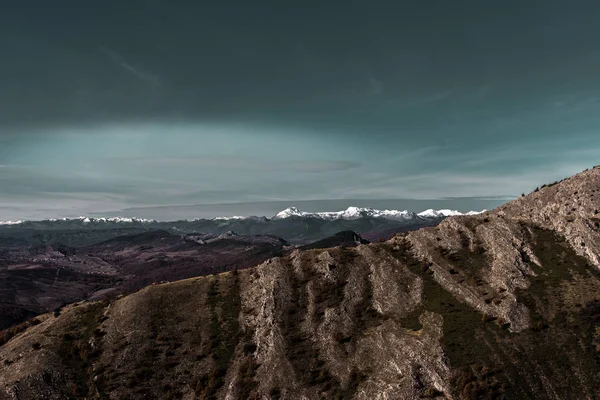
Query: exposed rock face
[[501, 305]]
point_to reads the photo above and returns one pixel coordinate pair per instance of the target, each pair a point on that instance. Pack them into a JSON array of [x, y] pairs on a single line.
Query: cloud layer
[[110, 105]]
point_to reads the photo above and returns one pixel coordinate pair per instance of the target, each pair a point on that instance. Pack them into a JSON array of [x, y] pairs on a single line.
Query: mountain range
[[291, 224], [499, 305], [47, 264]]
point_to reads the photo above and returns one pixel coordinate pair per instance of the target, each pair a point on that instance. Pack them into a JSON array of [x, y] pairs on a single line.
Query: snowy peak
[[357, 212], [11, 222], [290, 212], [84, 220], [476, 212], [431, 213], [351, 213], [360, 212], [88, 220], [233, 217]]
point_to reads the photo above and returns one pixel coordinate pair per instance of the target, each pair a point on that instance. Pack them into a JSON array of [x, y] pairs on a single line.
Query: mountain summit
[[361, 212], [500, 305]]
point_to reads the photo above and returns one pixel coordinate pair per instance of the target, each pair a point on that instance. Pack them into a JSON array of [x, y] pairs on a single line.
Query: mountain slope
[[500, 305]]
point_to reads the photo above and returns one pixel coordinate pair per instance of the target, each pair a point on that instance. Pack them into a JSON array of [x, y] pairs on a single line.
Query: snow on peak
[[233, 217], [476, 212], [11, 222], [357, 212], [87, 220], [349, 213], [290, 212], [431, 213], [363, 212]]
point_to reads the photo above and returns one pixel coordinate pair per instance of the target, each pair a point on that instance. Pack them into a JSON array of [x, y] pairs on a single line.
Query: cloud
[[236, 163], [318, 166], [474, 183], [120, 61]]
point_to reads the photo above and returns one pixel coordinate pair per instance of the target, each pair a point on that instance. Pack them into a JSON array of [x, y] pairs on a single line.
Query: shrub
[[431, 392]]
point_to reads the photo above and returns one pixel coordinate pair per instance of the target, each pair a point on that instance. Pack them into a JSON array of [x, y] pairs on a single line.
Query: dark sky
[[108, 104]]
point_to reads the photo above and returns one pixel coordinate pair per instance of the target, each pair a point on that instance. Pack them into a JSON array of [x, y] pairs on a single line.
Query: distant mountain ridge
[[291, 224], [363, 212], [350, 213]]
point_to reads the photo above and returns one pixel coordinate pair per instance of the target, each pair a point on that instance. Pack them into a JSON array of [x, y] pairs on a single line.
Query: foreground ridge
[[505, 304]]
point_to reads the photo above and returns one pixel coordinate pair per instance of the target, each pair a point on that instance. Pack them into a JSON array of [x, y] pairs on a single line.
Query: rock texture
[[503, 305]]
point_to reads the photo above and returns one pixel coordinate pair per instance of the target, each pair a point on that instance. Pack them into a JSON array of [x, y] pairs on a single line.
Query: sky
[[112, 106]]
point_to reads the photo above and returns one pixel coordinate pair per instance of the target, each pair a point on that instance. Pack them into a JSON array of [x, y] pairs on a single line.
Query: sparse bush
[[431, 392], [471, 386]]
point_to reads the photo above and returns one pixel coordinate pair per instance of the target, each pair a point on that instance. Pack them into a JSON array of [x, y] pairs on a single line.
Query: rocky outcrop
[[500, 305]]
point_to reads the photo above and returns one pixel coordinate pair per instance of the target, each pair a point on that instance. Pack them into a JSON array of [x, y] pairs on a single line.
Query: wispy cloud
[[474, 183], [244, 163], [318, 166], [122, 62], [429, 98]]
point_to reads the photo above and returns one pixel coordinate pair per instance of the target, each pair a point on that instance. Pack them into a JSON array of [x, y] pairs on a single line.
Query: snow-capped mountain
[[290, 212], [11, 222], [292, 224], [357, 212], [351, 213], [445, 213], [116, 219], [88, 220], [348, 214], [233, 217]]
